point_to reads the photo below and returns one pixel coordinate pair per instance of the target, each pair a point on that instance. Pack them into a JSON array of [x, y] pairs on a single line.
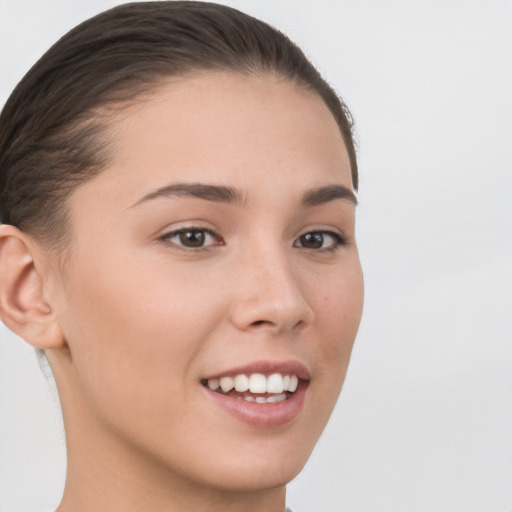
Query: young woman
[[177, 197]]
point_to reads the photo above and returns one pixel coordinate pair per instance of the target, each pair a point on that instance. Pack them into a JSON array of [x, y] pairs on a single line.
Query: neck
[[105, 473], [119, 498]]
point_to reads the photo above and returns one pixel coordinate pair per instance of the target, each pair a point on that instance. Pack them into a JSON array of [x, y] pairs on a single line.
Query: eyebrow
[[216, 193], [322, 195], [230, 195]]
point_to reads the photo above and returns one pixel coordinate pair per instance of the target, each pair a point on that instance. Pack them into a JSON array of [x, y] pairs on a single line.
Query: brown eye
[[320, 240], [312, 240], [192, 238]]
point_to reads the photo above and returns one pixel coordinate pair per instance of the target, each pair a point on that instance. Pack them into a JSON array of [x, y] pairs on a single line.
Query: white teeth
[[241, 383], [213, 384], [266, 400], [257, 383], [226, 384], [294, 382], [276, 398], [275, 383]]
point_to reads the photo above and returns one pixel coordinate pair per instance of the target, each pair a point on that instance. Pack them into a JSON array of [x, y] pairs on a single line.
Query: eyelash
[[339, 240], [168, 237]]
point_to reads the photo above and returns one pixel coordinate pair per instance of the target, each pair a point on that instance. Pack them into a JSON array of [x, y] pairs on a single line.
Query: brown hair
[[52, 125]]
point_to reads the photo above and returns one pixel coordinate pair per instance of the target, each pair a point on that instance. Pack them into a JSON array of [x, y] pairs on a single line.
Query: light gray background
[[425, 418]]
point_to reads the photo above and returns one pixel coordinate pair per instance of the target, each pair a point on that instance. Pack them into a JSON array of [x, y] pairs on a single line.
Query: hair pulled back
[[52, 128]]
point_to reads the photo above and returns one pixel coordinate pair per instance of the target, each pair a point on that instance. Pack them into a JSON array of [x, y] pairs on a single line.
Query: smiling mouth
[[255, 387]]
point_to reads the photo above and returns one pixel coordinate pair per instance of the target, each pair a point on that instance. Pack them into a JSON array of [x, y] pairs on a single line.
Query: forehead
[[229, 129]]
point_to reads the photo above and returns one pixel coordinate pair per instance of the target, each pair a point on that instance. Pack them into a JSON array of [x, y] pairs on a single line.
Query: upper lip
[[267, 367]]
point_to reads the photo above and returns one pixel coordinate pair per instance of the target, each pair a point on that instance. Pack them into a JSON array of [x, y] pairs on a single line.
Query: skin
[[135, 320]]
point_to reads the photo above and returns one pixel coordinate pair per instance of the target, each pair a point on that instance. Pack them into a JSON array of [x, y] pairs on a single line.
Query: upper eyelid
[[175, 232], [334, 234], [190, 228], [196, 226], [330, 231]]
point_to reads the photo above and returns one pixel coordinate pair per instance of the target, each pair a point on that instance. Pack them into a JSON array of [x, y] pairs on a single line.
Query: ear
[[23, 308]]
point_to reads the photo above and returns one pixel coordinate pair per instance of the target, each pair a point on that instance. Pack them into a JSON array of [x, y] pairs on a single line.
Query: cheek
[[339, 307], [338, 313], [134, 333]]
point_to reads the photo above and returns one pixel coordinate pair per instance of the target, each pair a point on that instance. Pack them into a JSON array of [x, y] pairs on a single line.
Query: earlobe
[[23, 308]]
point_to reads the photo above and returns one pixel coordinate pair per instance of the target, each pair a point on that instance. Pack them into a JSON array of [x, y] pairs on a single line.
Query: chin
[[270, 475], [260, 465]]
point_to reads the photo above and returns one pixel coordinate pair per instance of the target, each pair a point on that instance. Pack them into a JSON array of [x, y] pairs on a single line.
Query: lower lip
[[262, 415]]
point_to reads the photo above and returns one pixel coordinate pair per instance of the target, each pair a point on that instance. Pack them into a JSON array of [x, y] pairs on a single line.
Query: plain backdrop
[[424, 423]]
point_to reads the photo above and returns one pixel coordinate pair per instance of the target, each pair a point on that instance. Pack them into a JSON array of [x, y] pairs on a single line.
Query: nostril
[[259, 323]]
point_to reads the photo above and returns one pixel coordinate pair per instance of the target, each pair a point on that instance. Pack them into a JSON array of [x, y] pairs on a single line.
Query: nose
[[269, 295]]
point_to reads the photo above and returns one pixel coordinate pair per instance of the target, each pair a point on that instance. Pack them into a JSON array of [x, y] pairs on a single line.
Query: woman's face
[[217, 249]]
